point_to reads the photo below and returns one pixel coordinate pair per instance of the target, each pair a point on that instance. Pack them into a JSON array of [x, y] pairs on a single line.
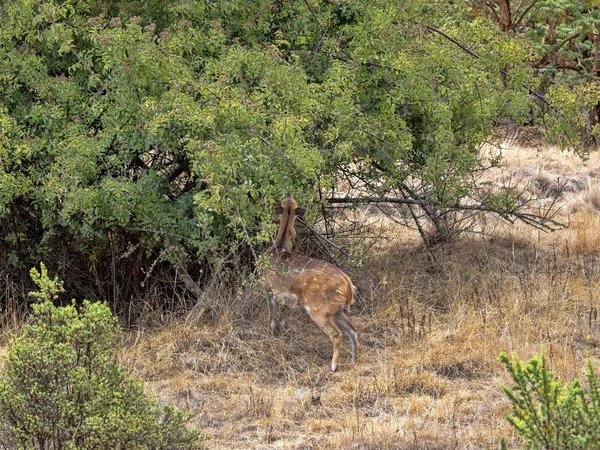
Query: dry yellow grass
[[431, 331]]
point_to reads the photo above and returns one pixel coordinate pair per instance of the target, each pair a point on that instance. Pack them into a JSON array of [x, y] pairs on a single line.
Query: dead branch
[[320, 236], [544, 222]]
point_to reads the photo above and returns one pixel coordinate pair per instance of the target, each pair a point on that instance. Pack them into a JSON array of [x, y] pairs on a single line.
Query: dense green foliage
[[548, 414], [564, 37], [563, 34], [63, 387], [168, 130]]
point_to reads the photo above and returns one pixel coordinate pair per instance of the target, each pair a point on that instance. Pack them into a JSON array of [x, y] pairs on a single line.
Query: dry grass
[[431, 331]]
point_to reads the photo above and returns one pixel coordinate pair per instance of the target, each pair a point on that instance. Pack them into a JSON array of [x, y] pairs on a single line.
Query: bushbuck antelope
[[321, 288]]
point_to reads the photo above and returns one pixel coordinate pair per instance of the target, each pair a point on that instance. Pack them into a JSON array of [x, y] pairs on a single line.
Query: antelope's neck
[[286, 232]]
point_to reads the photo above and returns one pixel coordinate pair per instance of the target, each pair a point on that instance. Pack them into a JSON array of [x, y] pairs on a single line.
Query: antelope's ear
[[300, 211], [278, 210]]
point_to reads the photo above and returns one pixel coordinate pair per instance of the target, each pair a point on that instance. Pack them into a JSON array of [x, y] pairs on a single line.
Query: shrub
[[132, 132], [63, 387], [548, 414]]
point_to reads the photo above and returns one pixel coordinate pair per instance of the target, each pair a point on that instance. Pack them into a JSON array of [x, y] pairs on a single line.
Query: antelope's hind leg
[[327, 325], [341, 320]]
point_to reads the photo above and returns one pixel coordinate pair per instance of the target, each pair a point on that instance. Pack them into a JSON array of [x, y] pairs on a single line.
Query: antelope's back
[[309, 278]]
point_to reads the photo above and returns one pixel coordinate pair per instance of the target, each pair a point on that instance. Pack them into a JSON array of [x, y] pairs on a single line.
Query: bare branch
[[544, 222], [263, 9], [320, 236], [568, 39], [525, 11], [364, 200]]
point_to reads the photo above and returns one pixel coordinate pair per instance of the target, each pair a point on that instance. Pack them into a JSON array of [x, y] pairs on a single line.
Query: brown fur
[[321, 288], [286, 228]]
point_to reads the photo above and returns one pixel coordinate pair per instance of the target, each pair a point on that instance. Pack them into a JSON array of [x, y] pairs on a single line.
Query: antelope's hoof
[[277, 327]]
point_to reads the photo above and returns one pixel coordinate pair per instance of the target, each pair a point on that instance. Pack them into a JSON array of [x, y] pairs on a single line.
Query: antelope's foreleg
[[277, 320]]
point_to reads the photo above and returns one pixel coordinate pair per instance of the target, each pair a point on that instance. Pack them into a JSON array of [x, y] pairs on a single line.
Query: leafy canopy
[[175, 126]]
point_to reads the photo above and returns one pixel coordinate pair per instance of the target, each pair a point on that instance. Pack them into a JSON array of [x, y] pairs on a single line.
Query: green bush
[[172, 128], [548, 414], [63, 387]]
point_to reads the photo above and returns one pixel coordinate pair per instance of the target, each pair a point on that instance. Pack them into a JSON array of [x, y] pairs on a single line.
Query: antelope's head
[[289, 209]]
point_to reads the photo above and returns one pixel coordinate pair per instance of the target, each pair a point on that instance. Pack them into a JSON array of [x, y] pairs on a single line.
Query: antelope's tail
[[350, 291]]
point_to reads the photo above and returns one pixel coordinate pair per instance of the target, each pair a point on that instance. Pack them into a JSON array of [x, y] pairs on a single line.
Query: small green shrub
[[548, 414], [63, 387]]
